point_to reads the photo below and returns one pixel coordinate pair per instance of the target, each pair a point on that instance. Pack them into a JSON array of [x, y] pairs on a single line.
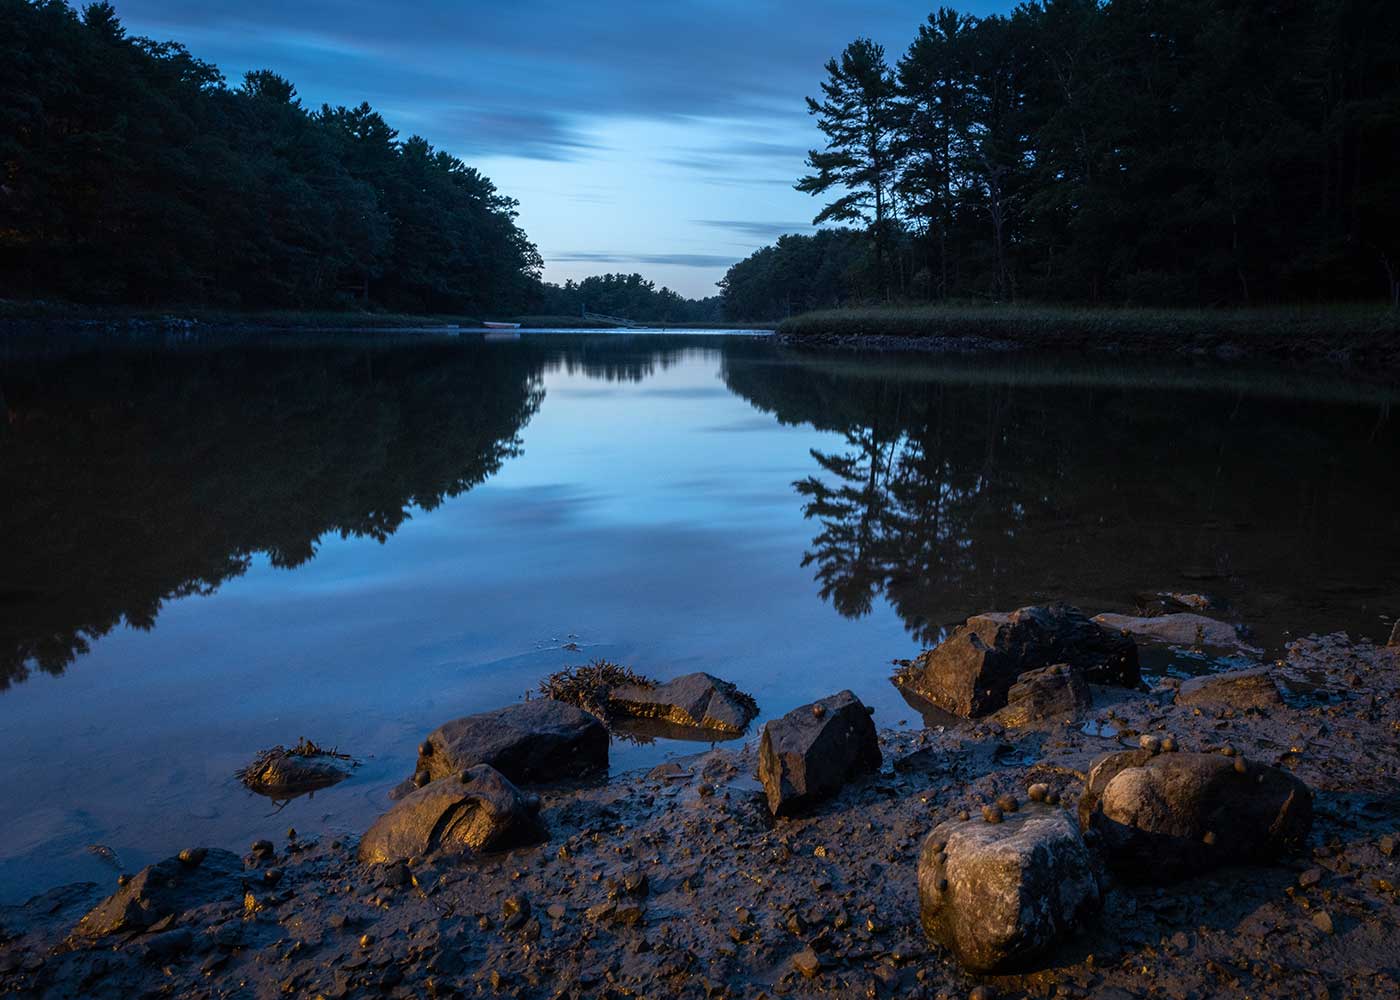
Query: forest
[[132, 174], [1140, 152]]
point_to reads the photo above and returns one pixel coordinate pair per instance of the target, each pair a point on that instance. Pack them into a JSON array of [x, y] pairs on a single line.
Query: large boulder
[[1241, 689], [532, 741], [1056, 694], [283, 773], [1180, 629], [471, 813], [167, 888], [695, 700], [998, 895], [1173, 814], [810, 753], [971, 672]]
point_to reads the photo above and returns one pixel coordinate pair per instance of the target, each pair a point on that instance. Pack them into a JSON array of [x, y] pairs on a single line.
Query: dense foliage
[[130, 173], [1120, 151], [629, 296]]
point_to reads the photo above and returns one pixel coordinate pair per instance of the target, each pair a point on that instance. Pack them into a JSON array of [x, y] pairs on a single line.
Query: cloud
[[672, 259], [757, 230]]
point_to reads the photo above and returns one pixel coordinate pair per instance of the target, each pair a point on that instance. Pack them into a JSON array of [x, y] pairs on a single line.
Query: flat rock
[[1174, 814], [532, 741], [1253, 688], [1180, 629], [696, 700], [999, 895], [972, 671], [472, 813], [167, 888], [810, 753], [1051, 694]]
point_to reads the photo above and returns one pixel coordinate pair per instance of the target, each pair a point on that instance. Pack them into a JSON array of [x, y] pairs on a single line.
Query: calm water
[[213, 545]]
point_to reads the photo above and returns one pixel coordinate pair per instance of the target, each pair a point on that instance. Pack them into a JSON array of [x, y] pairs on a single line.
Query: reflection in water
[[958, 491], [139, 475]]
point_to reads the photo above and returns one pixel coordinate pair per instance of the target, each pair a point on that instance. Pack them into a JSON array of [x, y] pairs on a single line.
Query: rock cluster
[[165, 890], [1059, 693], [972, 671]]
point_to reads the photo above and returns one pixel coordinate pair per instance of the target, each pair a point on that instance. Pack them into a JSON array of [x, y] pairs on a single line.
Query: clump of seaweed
[[304, 767], [588, 687]]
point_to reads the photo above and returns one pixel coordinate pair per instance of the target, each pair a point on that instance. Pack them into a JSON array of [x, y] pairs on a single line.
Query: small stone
[[514, 911], [982, 993], [1008, 803], [1038, 792], [272, 876], [818, 711], [807, 963], [366, 940], [1240, 766], [992, 814], [123, 879], [556, 911], [191, 857], [1322, 920], [421, 778], [1169, 744], [1209, 838], [262, 848], [292, 833], [964, 815], [1150, 743], [1311, 877], [1387, 845], [706, 789]]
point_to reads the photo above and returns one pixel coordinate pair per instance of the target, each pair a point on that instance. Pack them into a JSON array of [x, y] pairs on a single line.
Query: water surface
[[212, 544]]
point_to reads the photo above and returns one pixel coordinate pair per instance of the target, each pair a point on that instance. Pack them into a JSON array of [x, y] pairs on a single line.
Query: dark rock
[[1253, 688], [1169, 815], [284, 773], [805, 757], [972, 671], [163, 890], [475, 812], [539, 740], [998, 896], [1055, 694], [807, 963], [697, 700]]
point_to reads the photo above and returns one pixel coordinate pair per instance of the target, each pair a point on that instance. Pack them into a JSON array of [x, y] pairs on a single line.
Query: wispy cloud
[[757, 230]]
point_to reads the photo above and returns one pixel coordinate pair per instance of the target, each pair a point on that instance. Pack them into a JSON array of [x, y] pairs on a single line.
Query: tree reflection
[[956, 491]]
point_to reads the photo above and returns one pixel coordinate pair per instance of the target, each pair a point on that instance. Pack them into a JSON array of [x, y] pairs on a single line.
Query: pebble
[[1322, 920], [1008, 803], [807, 963], [1152, 744], [992, 813], [262, 848], [1387, 845], [192, 857], [1311, 877], [1038, 792]]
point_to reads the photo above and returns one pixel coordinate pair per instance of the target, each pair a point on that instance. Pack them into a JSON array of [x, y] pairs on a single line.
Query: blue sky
[[638, 135]]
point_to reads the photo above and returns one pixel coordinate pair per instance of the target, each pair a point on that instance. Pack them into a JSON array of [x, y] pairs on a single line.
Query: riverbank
[[678, 881], [1360, 336]]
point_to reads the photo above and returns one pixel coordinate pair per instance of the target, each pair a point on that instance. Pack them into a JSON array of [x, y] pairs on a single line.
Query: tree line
[[131, 173], [629, 296], [1163, 152]]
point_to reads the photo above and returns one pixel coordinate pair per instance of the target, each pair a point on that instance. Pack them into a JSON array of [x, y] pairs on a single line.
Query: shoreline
[[678, 881], [1364, 340]]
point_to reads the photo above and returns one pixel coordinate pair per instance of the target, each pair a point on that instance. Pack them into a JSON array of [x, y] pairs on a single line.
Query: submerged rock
[[167, 888], [472, 813], [306, 767], [698, 700], [999, 894], [1054, 694], [1170, 815], [540, 740], [971, 672], [810, 753], [1180, 629], [1253, 688]]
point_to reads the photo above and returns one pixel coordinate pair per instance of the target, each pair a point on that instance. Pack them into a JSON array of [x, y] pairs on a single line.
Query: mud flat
[[680, 883]]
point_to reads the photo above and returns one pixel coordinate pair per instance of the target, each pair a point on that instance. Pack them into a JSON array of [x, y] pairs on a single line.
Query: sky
[[638, 135]]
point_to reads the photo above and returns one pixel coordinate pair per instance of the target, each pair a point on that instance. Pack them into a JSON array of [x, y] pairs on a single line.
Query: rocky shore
[[1085, 834]]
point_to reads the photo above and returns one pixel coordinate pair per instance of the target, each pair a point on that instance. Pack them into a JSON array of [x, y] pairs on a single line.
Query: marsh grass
[[587, 687], [1052, 325]]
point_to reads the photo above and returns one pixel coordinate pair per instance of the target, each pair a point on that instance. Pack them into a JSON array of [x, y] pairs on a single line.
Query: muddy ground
[[678, 884]]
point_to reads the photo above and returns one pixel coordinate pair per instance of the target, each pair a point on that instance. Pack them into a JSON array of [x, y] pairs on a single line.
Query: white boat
[[501, 326]]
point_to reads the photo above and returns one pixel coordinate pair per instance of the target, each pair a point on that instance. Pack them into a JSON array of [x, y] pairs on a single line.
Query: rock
[[807, 963], [282, 773], [1000, 895], [539, 740], [697, 700], [1253, 688], [1181, 629], [166, 889], [476, 812], [1057, 694], [972, 671], [805, 757], [1168, 815]]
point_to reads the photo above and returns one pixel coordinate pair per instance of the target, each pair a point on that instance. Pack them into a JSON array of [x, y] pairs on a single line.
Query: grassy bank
[[577, 323], [1071, 327], [67, 312]]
